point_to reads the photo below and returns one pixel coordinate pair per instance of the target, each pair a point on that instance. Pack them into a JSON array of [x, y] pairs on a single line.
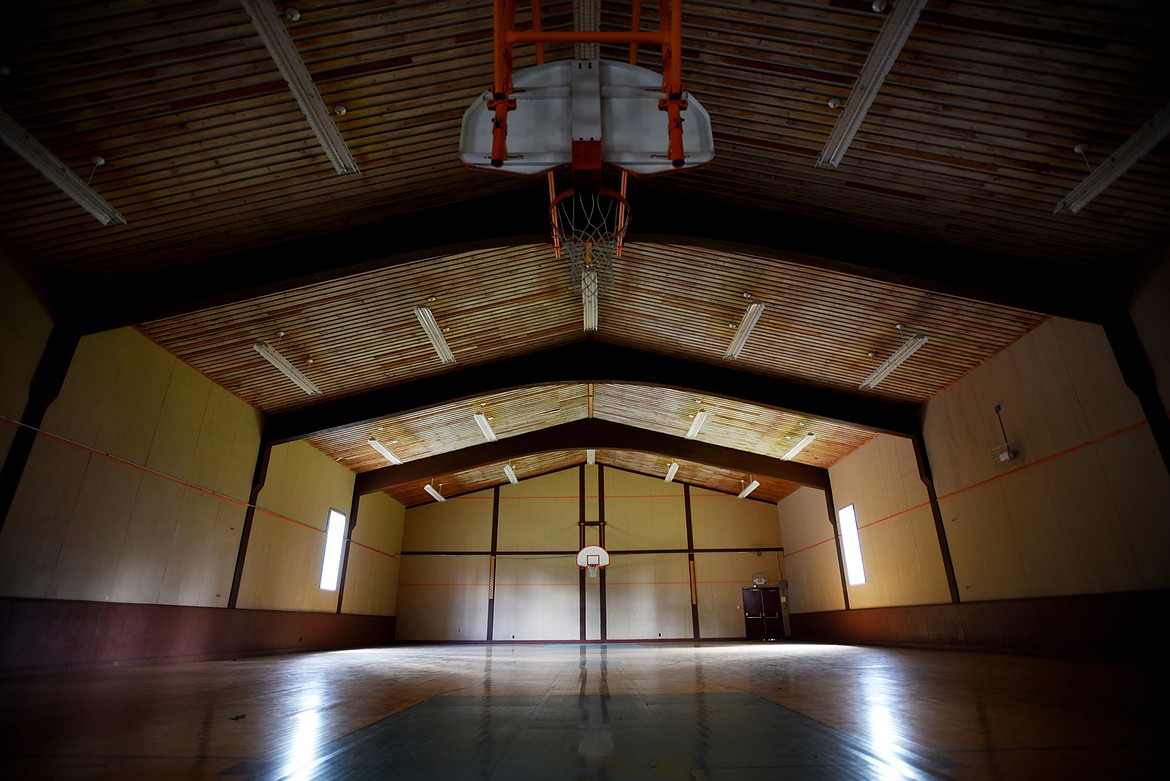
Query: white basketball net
[[590, 227], [593, 564]]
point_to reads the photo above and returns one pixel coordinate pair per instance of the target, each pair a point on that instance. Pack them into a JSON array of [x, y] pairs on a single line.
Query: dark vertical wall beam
[[258, 478], [491, 618], [1139, 375], [940, 531], [691, 561], [42, 391], [832, 507], [350, 526]]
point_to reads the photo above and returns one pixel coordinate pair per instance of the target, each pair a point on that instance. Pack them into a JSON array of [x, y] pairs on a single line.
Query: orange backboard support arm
[[506, 36]]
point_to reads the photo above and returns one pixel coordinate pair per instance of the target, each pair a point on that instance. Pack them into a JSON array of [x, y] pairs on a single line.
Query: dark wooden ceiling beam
[[520, 217], [594, 361], [582, 435]]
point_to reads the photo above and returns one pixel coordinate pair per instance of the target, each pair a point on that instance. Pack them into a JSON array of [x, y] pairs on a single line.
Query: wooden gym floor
[[607, 711]]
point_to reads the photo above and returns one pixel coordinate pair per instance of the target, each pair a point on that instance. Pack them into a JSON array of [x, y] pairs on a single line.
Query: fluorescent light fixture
[[427, 319], [274, 34], [430, 489], [23, 143], [386, 454], [697, 423], [747, 489], [589, 298], [286, 368], [908, 348], [671, 471], [485, 427], [590, 456], [1138, 145], [511, 473], [799, 446], [886, 48], [744, 330]]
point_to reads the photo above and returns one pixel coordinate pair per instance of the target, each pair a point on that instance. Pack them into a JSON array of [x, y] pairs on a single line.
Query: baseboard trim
[[48, 635]]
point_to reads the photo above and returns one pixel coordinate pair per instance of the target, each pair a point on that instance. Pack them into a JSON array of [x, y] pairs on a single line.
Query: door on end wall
[[761, 613]]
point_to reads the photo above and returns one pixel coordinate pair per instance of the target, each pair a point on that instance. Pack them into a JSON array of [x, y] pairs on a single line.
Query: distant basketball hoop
[[593, 558]]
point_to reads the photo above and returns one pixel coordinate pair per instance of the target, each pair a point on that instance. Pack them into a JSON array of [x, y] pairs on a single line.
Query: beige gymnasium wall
[[536, 593], [444, 595], [899, 543], [1079, 510], [136, 491], [24, 329], [1082, 507], [282, 569], [810, 553], [725, 521], [371, 578]]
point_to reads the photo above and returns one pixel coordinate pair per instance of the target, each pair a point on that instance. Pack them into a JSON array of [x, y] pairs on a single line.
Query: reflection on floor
[[604, 711]]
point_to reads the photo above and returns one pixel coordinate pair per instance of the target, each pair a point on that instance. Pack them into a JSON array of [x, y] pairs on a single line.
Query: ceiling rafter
[[584, 434], [660, 217], [586, 361]]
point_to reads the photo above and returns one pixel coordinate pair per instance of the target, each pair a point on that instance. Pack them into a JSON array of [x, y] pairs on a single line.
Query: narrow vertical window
[[334, 539], [851, 543]]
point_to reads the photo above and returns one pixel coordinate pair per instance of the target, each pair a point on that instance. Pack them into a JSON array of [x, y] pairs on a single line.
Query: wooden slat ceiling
[[968, 148]]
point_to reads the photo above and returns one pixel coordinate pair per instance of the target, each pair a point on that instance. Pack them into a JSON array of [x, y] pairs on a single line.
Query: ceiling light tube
[[747, 489], [882, 56], [1138, 145], [286, 368], [485, 427], [697, 423], [386, 454], [589, 298], [426, 318], [40, 158], [799, 446], [274, 34], [430, 489], [744, 330], [671, 471], [908, 348], [511, 473], [590, 456]]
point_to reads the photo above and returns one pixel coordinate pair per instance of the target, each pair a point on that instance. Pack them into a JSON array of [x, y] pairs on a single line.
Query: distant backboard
[[557, 102]]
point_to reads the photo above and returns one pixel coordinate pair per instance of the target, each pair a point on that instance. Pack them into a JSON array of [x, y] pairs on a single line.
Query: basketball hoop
[[590, 227], [592, 558]]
